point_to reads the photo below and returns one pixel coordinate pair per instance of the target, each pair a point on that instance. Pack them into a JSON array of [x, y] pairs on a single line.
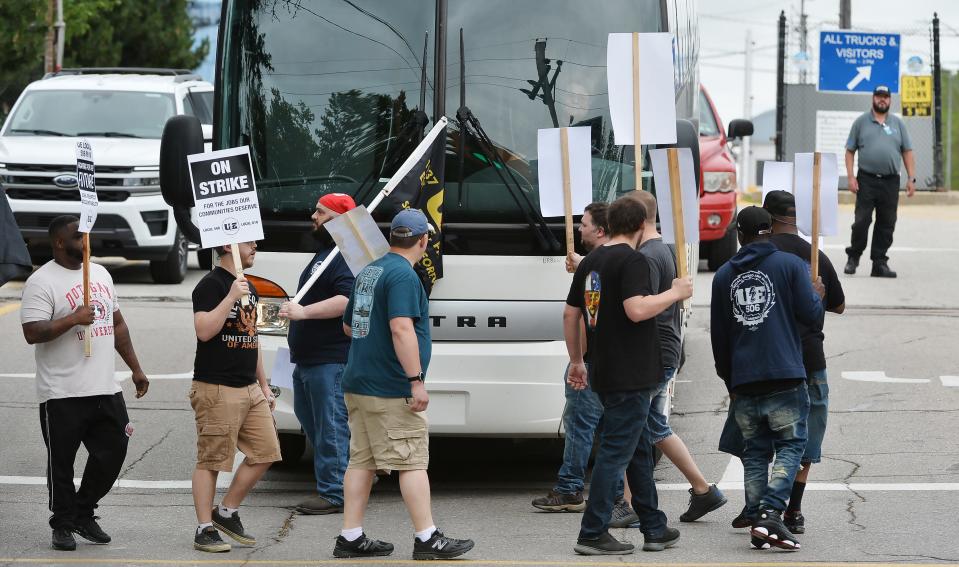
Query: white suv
[[122, 113]]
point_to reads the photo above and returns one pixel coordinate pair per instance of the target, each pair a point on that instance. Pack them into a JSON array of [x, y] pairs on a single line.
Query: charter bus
[[322, 92]]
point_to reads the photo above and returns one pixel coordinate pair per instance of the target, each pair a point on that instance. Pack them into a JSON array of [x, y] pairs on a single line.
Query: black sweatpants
[[881, 194], [99, 422]]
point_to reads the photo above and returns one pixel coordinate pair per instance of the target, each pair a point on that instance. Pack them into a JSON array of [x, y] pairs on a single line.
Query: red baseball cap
[[338, 203]]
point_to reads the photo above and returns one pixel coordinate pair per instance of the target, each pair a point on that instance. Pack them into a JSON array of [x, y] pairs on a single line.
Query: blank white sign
[[777, 176], [828, 194], [689, 192], [360, 242], [657, 93], [551, 170]]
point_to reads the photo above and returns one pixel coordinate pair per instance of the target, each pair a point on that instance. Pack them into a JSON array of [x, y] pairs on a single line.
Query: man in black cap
[[757, 299], [781, 205], [881, 139]]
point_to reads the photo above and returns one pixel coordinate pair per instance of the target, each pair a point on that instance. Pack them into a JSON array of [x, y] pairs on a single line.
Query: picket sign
[[411, 161], [567, 191], [565, 174], [676, 197], [816, 208], [637, 148], [86, 184]]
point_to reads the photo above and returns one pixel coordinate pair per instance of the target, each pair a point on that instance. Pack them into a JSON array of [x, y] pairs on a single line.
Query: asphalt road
[[886, 491]]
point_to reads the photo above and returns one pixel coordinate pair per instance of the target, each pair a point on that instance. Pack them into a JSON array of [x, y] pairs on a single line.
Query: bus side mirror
[[182, 136], [687, 136], [739, 128]]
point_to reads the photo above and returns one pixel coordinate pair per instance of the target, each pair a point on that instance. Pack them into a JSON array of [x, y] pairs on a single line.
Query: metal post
[[439, 59], [59, 25], [780, 86], [948, 180], [937, 102], [803, 44], [845, 14], [744, 147]]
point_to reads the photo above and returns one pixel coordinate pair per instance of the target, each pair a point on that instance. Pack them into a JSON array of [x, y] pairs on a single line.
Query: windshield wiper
[[109, 134], [38, 131]]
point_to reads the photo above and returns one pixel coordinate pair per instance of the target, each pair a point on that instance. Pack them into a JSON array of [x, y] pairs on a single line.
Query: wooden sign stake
[[816, 174], [238, 268], [637, 148], [567, 189], [87, 335], [676, 198]]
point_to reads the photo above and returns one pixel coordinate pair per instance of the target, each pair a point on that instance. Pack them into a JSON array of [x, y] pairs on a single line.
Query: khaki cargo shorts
[[228, 418], [385, 434]]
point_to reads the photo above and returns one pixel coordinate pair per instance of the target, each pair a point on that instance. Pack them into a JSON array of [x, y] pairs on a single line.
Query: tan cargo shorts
[[228, 418], [385, 434]]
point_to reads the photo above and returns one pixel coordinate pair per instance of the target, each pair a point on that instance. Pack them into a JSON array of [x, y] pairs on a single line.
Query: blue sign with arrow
[[852, 62]]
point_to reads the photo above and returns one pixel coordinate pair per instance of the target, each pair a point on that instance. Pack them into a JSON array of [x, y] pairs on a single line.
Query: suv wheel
[[172, 269]]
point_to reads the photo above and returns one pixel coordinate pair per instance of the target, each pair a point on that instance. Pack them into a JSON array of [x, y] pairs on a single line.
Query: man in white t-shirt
[[80, 400]]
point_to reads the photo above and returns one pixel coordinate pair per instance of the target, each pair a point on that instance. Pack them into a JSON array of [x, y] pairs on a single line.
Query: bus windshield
[[322, 91]]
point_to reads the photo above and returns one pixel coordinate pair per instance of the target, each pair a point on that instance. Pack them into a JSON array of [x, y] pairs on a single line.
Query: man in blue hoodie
[[757, 298]]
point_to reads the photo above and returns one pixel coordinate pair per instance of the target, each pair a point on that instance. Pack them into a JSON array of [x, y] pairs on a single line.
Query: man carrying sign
[[231, 398], [80, 401], [319, 350]]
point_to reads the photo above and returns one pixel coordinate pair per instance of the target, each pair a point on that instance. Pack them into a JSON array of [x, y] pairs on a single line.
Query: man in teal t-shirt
[[388, 319]]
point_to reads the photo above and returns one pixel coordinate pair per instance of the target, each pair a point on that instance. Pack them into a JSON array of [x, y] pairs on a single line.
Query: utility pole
[[744, 146], [937, 103], [59, 25], [780, 85], [49, 50], [845, 14], [803, 43], [948, 182]]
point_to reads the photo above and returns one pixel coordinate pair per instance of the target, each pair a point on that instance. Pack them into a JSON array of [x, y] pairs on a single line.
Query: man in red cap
[[319, 350]]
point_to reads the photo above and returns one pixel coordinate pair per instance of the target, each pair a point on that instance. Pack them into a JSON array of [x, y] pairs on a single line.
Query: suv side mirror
[[182, 136], [739, 128]]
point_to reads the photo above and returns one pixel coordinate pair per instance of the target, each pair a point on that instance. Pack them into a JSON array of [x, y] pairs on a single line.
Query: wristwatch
[[913, 180], [417, 378]]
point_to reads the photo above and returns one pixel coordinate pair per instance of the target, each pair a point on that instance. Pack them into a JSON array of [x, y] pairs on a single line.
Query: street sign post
[[856, 62]]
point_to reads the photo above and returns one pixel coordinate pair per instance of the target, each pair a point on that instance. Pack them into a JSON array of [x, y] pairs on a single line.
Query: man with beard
[[319, 350], [80, 402], [583, 408], [881, 139]]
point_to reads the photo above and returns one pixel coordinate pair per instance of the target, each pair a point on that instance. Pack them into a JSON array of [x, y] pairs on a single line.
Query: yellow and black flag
[[422, 188]]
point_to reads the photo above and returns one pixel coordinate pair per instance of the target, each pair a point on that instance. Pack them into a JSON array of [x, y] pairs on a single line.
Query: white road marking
[[898, 249], [950, 381], [733, 475], [880, 376], [118, 376]]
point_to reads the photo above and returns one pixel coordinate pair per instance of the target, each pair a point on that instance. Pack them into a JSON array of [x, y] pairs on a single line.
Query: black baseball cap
[[753, 221], [780, 203], [881, 90]]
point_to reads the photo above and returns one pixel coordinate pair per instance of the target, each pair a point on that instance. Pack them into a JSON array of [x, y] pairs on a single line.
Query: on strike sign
[[86, 183], [228, 210]]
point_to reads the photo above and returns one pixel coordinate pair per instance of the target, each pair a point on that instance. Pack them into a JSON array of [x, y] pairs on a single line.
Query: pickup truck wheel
[[720, 251], [205, 257], [172, 269]]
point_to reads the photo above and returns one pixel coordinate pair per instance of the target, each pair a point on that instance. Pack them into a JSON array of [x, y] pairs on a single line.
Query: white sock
[[352, 534], [226, 512], [201, 527], [426, 534]]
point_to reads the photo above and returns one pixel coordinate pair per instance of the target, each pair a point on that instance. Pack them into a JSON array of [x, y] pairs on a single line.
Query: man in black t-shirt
[[782, 206], [230, 397], [611, 291], [319, 350]]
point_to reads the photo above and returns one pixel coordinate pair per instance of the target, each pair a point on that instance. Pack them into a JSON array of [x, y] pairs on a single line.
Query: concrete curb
[[929, 198]]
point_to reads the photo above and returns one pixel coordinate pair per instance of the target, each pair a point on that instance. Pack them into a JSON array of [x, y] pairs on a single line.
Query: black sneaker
[[851, 266], [90, 530], [662, 540], [795, 522], [209, 540], [361, 547], [702, 504], [603, 545], [757, 543], [63, 540], [881, 270], [440, 547], [769, 527], [623, 515], [559, 502], [743, 520], [232, 527]]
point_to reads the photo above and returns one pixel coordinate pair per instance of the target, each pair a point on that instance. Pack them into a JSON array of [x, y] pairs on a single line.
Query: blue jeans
[[818, 415], [624, 443], [318, 404], [777, 420], [580, 418]]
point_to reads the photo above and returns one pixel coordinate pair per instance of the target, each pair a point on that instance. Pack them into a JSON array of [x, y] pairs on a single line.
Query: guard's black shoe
[[90, 530], [440, 547], [881, 270], [769, 527], [209, 540], [795, 522], [702, 504], [63, 540], [662, 540], [361, 547], [603, 545], [851, 265], [233, 527]]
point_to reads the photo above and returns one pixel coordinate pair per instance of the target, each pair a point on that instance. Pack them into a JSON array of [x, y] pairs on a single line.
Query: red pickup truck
[[717, 201]]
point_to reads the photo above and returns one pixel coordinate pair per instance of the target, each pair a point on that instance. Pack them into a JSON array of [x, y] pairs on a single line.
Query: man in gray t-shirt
[[882, 140]]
